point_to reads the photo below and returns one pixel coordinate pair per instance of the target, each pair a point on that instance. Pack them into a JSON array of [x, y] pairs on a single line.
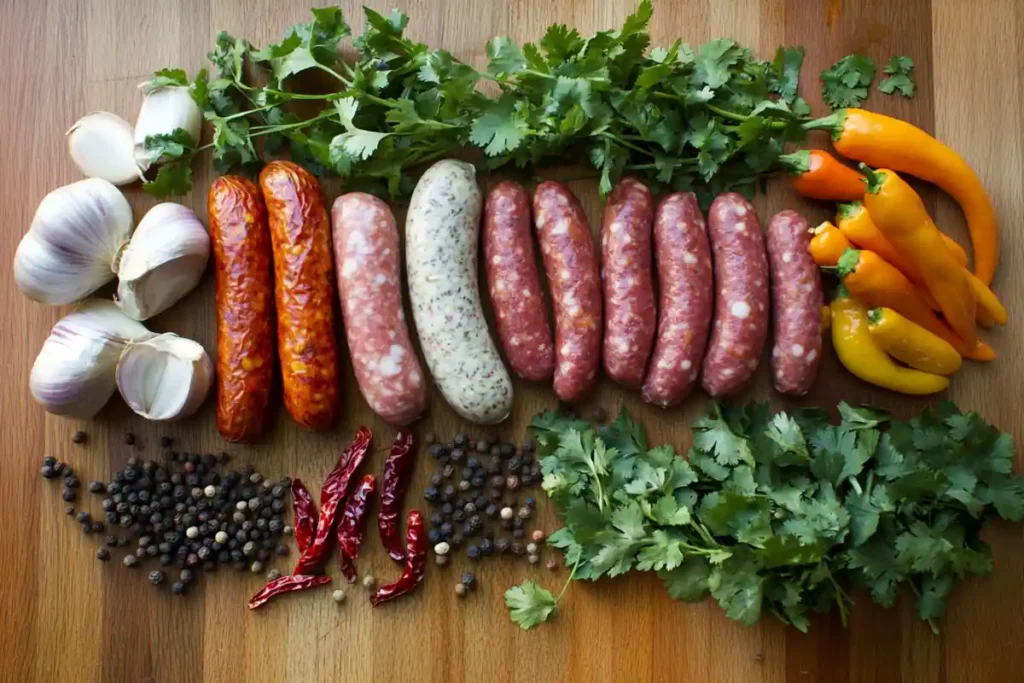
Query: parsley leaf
[[174, 178], [899, 80], [529, 604], [845, 83]]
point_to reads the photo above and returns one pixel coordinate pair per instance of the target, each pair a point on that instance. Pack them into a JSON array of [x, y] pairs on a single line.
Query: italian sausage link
[[683, 259], [741, 295], [245, 306], [442, 232], [368, 258], [796, 304], [570, 262], [630, 314], [304, 292], [514, 283]]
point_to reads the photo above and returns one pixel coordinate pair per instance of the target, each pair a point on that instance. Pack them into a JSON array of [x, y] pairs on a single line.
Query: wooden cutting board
[[66, 617]]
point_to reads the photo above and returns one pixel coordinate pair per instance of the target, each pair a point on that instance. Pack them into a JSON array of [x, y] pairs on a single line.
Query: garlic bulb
[[74, 372], [164, 378], [102, 145], [163, 111], [74, 243], [163, 262]]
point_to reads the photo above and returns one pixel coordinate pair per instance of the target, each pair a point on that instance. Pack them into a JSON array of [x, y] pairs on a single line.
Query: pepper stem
[[841, 292], [798, 162], [874, 316], [873, 179], [848, 262], [834, 122], [848, 209]]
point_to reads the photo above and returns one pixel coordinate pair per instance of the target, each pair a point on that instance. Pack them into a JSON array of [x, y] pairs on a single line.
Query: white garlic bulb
[[164, 378], [163, 111], [102, 145], [164, 260], [74, 372], [74, 243]]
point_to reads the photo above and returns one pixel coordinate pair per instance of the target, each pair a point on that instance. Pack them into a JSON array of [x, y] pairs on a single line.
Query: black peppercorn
[[78, 437], [102, 554], [165, 442], [69, 510], [156, 577], [501, 546], [467, 579], [436, 450], [69, 495], [178, 588], [281, 550], [446, 509], [473, 552], [129, 439], [447, 529], [516, 548], [97, 527], [71, 482], [486, 546], [497, 481], [436, 519], [518, 533], [431, 494], [434, 536], [457, 455], [49, 461]]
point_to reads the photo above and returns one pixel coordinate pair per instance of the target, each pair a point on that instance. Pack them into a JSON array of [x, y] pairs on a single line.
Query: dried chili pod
[[305, 515], [286, 584], [415, 562], [331, 496], [352, 525], [397, 471]]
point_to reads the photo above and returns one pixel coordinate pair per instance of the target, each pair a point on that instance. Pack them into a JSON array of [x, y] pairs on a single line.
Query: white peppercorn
[[442, 548], [531, 548], [369, 583], [192, 532], [507, 513], [338, 596], [221, 537], [210, 491]]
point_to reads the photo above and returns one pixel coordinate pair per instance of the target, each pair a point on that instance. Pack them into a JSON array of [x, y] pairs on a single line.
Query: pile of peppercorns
[[184, 513], [474, 498]]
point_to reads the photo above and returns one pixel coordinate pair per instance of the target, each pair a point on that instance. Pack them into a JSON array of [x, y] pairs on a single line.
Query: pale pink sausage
[[514, 283], [570, 262], [683, 258], [366, 251], [741, 295], [796, 304], [630, 314]]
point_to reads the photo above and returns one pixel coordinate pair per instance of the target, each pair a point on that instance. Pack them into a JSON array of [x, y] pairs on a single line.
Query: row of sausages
[[276, 237]]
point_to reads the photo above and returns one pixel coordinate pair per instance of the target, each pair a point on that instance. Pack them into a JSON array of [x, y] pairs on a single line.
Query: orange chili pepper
[[900, 215], [819, 175], [827, 244], [880, 140]]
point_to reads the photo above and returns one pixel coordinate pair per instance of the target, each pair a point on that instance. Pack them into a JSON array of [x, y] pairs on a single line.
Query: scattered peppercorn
[[440, 560], [551, 564], [78, 437], [69, 495], [461, 590], [533, 559], [102, 554], [537, 536], [166, 441], [467, 579], [473, 552], [129, 439], [369, 583]]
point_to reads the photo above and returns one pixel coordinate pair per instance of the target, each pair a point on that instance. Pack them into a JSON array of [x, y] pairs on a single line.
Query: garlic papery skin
[[164, 378], [163, 262], [75, 370], [163, 111], [74, 243], [102, 145]]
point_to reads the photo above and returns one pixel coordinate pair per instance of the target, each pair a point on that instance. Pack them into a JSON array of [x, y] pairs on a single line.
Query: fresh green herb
[[899, 80], [845, 83], [778, 513]]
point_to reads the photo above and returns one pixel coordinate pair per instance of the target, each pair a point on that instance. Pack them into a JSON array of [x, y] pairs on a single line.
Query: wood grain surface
[[66, 617]]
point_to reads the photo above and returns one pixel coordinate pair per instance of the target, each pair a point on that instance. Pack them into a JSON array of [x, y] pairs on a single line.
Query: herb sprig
[[778, 513]]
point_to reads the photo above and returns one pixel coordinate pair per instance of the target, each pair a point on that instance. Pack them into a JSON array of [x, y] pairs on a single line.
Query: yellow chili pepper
[[859, 353], [909, 342], [827, 244], [900, 215]]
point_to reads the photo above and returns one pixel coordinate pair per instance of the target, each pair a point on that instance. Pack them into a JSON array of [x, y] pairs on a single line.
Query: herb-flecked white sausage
[[442, 232]]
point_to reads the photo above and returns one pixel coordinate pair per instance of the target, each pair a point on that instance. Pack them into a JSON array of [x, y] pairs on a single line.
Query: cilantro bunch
[[778, 513]]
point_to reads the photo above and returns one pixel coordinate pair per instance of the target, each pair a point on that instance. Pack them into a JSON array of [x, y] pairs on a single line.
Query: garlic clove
[[164, 378], [163, 262], [162, 112], [73, 245], [102, 145], [74, 371]]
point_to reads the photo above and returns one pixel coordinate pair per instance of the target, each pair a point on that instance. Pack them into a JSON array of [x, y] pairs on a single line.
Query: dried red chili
[[331, 495], [397, 470], [305, 514], [286, 584], [352, 525], [415, 562]]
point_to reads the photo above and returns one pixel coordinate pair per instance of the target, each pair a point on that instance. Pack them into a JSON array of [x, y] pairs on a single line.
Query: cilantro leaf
[[713, 61], [738, 588], [500, 129], [688, 581], [173, 178], [899, 80], [845, 83], [786, 72], [529, 604], [714, 436], [504, 56], [165, 78]]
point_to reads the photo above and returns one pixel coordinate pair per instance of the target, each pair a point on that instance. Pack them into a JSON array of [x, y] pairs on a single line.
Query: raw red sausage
[[304, 292], [630, 314], [741, 295], [366, 249], [245, 306], [570, 262], [796, 304], [685, 299], [514, 284]]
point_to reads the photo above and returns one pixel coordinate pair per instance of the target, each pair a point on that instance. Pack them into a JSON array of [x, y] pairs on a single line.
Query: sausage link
[[741, 295], [570, 262], [683, 258], [304, 292], [514, 283], [245, 306], [630, 313], [796, 304], [366, 249]]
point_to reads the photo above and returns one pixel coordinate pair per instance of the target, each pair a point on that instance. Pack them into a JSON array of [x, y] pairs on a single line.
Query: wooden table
[[67, 617]]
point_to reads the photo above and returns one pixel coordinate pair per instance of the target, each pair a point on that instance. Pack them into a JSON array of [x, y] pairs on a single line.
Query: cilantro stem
[[568, 581], [626, 143], [329, 70]]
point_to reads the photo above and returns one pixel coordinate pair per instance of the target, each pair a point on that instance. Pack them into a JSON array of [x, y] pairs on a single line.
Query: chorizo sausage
[[442, 232], [514, 283], [630, 314], [304, 291], [366, 251], [683, 258], [741, 295], [570, 262], [796, 304], [245, 306]]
